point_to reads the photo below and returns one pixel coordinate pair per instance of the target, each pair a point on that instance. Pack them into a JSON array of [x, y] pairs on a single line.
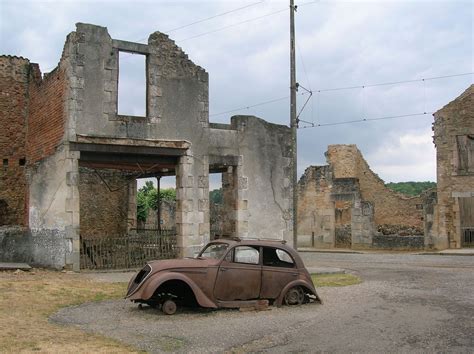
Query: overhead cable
[[313, 125]]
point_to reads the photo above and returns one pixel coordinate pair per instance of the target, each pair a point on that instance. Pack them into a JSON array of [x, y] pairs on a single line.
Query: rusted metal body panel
[[227, 273]]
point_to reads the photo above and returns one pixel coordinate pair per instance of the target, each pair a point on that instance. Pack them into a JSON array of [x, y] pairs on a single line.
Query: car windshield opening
[[214, 250]]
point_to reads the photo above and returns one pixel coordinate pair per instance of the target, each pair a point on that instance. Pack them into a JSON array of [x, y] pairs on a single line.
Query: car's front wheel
[[295, 296]]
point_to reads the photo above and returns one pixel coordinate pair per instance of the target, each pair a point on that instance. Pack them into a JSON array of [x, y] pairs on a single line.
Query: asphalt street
[[406, 303]]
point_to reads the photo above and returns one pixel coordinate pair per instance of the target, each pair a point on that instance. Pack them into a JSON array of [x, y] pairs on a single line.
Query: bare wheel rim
[[294, 296], [169, 307]]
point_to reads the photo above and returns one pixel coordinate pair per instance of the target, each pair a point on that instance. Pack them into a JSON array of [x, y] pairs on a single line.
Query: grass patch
[[29, 298], [320, 280]]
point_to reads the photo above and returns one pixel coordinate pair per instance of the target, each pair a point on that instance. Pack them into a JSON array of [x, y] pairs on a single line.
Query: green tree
[[411, 188], [147, 197], [215, 196]]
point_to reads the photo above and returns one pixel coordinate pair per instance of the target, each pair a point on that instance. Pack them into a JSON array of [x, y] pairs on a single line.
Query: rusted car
[[227, 273]]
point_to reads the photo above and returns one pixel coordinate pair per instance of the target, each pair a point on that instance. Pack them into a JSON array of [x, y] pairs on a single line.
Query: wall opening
[[156, 204], [132, 84], [216, 205]]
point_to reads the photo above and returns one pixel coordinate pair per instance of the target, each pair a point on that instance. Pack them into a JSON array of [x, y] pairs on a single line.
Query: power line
[[255, 105], [312, 125], [393, 82], [232, 25], [242, 22], [345, 88], [209, 18]]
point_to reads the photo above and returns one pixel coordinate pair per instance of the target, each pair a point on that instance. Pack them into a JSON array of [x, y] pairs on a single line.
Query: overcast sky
[[339, 44]]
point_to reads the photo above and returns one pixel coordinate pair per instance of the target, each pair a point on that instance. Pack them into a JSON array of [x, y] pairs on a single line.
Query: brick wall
[[47, 112], [103, 202], [390, 207], [13, 114]]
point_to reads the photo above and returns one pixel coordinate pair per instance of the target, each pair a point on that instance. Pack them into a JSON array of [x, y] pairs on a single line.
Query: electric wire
[[312, 125], [209, 18], [347, 88], [232, 25], [255, 105]]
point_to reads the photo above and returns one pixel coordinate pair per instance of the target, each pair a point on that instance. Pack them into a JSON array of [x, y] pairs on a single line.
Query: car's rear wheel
[[169, 307], [294, 296]]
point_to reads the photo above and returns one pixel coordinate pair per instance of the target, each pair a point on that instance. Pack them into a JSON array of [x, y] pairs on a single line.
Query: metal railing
[[127, 251], [467, 237]]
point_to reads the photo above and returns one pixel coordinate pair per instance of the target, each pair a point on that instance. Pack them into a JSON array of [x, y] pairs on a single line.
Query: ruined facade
[[451, 223], [70, 161], [345, 204]]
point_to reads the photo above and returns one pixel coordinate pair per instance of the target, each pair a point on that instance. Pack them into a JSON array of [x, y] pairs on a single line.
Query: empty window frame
[[132, 84]]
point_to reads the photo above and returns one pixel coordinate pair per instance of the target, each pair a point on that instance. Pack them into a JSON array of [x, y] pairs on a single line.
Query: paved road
[[407, 303]]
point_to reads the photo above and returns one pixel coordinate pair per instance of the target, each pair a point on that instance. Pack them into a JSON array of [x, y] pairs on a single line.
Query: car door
[[239, 275], [278, 269]]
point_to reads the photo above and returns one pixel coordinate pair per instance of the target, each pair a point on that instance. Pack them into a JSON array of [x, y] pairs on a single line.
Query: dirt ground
[[406, 303], [28, 298]]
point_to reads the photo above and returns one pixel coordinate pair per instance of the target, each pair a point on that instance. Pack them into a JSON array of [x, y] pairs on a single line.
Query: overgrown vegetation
[[215, 196], [147, 197], [28, 298], [320, 280], [410, 188]]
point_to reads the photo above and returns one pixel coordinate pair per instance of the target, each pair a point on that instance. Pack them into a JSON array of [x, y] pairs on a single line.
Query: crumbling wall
[[47, 112], [390, 207], [345, 204], [14, 73], [316, 209], [453, 122]]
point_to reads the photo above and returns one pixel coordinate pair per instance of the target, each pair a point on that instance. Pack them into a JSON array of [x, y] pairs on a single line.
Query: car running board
[[251, 304]]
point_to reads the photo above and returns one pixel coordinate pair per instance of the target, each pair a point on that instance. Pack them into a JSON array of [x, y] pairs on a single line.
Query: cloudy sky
[[246, 52]]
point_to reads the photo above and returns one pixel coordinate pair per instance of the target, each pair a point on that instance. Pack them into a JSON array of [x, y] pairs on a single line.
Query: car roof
[[235, 241]]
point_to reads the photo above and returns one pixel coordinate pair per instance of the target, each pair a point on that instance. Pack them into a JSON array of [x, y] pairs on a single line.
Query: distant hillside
[[410, 188]]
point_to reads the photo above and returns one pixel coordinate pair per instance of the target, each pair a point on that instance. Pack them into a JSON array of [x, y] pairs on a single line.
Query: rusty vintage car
[[227, 273]]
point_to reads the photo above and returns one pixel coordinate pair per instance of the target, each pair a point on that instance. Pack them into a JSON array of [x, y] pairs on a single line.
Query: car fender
[[155, 281], [310, 287]]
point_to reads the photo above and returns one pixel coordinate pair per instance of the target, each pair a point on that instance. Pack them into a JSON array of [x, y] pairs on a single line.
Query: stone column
[[362, 224], [72, 234], [192, 205], [132, 205]]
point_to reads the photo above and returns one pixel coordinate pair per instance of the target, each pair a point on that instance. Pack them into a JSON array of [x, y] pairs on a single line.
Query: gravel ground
[[407, 303]]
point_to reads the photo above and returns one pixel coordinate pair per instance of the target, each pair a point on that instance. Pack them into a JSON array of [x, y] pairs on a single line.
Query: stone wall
[[452, 124], [316, 211], [14, 73], [345, 204], [72, 120], [390, 207], [398, 243], [103, 202]]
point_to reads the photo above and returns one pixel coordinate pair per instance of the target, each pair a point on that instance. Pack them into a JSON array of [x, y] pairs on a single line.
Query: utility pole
[[293, 121]]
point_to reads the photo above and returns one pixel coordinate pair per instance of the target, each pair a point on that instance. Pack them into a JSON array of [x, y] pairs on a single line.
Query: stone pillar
[[362, 224], [228, 202], [72, 235], [241, 186], [132, 205], [192, 205]]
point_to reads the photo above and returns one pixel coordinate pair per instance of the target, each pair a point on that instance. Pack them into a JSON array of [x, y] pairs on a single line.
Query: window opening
[[156, 204], [5, 162], [246, 254], [132, 84], [274, 257], [22, 162]]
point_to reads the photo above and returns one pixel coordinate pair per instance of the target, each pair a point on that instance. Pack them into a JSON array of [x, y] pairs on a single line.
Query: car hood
[[179, 264]]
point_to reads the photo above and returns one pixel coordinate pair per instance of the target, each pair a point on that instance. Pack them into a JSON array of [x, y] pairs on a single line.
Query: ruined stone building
[[451, 218], [345, 204], [70, 160]]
